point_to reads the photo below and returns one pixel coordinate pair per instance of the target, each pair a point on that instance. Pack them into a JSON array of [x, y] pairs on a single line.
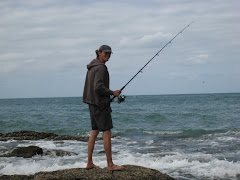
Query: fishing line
[[121, 98]]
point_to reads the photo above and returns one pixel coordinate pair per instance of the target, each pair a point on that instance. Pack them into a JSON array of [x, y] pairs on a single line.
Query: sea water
[[185, 136]]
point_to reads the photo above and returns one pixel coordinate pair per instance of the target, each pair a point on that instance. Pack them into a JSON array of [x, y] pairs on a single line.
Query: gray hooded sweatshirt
[[96, 89]]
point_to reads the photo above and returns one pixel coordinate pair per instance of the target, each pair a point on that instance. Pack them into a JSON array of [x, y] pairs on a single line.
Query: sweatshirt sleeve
[[100, 82]]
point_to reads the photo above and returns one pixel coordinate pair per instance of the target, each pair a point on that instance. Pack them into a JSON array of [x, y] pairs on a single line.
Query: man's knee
[[107, 133], [94, 133]]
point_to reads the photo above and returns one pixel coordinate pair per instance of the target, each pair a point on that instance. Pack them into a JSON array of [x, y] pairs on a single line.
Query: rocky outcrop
[[32, 135], [16, 177], [57, 152], [30, 151], [25, 152], [129, 173], [29, 135]]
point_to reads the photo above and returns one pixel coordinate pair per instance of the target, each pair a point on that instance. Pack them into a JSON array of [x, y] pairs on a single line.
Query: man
[[97, 95]]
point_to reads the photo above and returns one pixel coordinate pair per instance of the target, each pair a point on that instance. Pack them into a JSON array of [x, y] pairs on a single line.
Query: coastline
[[129, 173], [132, 172]]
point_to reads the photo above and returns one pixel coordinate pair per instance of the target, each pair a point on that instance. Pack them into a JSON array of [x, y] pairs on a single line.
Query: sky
[[46, 45]]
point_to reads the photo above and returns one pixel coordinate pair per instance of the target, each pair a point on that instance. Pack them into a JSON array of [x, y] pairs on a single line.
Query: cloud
[[147, 41], [197, 60], [60, 37]]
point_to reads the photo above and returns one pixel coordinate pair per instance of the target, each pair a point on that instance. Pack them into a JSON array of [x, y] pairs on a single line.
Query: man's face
[[104, 57]]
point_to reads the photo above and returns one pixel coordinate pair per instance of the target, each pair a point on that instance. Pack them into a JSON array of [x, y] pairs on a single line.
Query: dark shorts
[[100, 120]]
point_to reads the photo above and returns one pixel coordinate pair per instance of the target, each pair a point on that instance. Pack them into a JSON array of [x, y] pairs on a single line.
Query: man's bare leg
[[91, 143], [108, 150]]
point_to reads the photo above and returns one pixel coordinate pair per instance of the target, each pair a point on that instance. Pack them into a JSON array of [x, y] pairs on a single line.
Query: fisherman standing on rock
[[97, 95]]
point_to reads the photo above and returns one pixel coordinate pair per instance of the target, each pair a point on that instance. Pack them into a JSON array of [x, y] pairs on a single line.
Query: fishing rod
[[121, 98]]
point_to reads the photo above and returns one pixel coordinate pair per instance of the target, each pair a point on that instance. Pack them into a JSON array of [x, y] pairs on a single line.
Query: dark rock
[[129, 173], [16, 177], [66, 137], [140, 173], [103, 152], [3, 138], [59, 153], [30, 151], [63, 153], [25, 152], [32, 135]]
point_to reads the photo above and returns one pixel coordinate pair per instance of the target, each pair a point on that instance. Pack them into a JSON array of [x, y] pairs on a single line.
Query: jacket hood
[[94, 62]]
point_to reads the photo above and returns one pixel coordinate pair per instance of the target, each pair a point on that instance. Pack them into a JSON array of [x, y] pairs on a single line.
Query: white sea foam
[[131, 142], [26, 166], [149, 142], [47, 144], [199, 165], [228, 139], [163, 132]]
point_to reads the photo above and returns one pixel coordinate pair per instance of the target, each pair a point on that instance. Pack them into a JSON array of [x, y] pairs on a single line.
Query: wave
[[166, 157], [178, 165], [162, 132], [190, 133], [202, 132]]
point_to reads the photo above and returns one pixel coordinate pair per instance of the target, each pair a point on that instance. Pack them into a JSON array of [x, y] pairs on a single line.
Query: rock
[[29, 135], [129, 173], [16, 177], [103, 152], [140, 173], [32, 135], [30, 151], [77, 138], [59, 153], [25, 152]]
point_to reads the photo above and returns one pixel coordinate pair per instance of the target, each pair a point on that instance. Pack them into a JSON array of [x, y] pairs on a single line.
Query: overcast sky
[[45, 46]]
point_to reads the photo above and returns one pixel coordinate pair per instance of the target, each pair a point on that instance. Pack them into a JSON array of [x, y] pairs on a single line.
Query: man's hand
[[117, 93]]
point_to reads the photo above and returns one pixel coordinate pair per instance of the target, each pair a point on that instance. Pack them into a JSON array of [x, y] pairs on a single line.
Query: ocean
[[186, 136]]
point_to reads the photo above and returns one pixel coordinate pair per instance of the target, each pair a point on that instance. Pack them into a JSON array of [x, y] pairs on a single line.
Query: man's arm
[[99, 85]]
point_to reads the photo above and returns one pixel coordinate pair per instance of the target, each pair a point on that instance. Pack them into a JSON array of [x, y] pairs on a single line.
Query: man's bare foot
[[115, 168], [91, 166]]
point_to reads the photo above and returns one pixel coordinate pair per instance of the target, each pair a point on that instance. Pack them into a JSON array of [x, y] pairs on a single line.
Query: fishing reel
[[121, 98]]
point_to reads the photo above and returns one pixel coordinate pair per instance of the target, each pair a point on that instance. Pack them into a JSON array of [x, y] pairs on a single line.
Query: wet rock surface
[[129, 173], [25, 152], [30, 151], [32, 135]]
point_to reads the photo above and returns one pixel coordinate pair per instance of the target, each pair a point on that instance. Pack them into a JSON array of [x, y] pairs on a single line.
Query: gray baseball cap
[[105, 48]]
